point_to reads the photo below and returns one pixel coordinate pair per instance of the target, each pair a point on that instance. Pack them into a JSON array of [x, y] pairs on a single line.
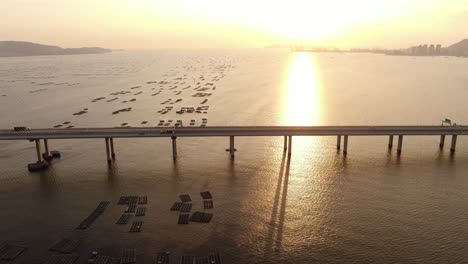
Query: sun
[[306, 21], [315, 22], [309, 20]]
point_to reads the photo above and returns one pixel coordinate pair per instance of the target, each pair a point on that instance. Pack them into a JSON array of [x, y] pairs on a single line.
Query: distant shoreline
[[40, 55], [26, 49], [388, 53], [459, 49]]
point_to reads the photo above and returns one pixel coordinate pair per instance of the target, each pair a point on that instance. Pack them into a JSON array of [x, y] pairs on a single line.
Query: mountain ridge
[[23, 48], [460, 48]]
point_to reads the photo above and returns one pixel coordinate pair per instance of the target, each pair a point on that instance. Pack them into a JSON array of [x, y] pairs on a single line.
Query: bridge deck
[[133, 132]]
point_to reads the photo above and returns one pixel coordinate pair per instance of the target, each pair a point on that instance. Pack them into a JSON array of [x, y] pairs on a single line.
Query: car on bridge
[[168, 131], [21, 128]]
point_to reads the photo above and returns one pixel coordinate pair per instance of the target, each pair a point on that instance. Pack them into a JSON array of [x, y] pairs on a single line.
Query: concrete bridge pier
[[285, 145], [38, 150], [174, 147], [46, 155], [345, 145], [338, 142], [231, 146], [112, 148], [109, 160], [40, 164], [390, 142], [454, 144], [400, 144], [442, 141]]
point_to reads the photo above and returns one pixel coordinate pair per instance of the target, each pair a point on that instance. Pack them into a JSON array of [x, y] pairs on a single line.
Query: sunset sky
[[147, 24]]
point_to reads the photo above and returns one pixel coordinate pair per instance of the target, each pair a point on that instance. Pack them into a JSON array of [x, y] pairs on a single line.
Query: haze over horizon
[[151, 24]]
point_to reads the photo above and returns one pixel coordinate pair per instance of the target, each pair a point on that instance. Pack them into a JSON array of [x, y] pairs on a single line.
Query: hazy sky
[[146, 24]]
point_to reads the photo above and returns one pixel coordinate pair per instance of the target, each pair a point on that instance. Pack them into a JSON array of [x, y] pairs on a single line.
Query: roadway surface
[[221, 131]]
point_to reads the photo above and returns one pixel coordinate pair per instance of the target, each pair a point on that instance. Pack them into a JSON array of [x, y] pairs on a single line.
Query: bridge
[[108, 134]]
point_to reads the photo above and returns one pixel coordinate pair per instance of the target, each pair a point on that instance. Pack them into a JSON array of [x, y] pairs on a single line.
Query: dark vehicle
[[21, 128], [165, 131]]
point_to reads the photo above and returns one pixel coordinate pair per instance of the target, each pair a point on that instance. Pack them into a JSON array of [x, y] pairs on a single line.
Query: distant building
[[431, 49], [420, 50], [459, 49]]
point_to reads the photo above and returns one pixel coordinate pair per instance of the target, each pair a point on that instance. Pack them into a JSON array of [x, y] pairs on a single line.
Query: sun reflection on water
[[293, 191], [302, 99], [302, 91]]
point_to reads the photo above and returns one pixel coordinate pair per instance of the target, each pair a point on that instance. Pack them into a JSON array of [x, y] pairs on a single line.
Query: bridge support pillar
[[46, 154], [174, 147], [108, 151], [390, 142], [38, 150], [112, 148], [400, 144], [40, 164], [338, 142], [442, 141], [345, 145], [285, 145], [454, 144], [231, 146], [289, 145]]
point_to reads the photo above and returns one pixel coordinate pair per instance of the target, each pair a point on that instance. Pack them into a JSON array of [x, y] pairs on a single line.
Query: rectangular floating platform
[[187, 260], [62, 259], [162, 258], [202, 260], [128, 256], [132, 199], [183, 219], [94, 215], [10, 252], [123, 220], [143, 200], [214, 258], [185, 198], [186, 207], [131, 208], [65, 246], [136, 226], [206, 195], [208, 204], [140, 211], [176, 206], [201, 217], [106, 260]]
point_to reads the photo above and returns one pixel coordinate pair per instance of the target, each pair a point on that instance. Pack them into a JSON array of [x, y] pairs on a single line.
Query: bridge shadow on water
[[275, 227]]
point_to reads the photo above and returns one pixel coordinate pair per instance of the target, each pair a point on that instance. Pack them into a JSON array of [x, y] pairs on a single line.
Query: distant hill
[[459, 48], [21, 48]]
